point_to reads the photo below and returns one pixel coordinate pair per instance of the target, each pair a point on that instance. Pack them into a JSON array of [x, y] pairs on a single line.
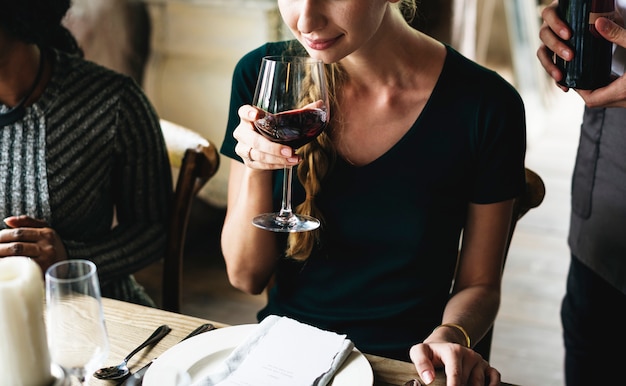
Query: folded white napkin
[[283, 352]]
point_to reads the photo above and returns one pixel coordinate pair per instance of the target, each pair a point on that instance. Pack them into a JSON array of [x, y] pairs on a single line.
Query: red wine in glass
[[293, 128]]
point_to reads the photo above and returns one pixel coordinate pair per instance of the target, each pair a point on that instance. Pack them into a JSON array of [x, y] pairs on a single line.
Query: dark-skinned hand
[[32, 238]]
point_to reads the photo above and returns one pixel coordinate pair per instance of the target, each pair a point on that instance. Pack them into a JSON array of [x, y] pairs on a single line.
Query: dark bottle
[[591, 66]]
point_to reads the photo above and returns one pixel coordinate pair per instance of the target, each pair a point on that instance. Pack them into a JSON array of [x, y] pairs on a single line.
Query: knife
[[136, 379]]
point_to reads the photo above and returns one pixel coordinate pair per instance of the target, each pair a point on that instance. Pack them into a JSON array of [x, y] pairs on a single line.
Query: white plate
[[200, 355]]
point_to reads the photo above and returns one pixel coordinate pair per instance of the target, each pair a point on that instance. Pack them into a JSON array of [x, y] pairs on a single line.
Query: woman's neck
[[395, 55], [410, 61]]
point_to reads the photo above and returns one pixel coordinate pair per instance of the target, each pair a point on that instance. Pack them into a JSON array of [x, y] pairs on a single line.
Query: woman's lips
[[320, 44]]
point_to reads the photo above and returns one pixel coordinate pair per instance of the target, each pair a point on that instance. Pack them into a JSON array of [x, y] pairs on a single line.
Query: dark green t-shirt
[[383, 272]]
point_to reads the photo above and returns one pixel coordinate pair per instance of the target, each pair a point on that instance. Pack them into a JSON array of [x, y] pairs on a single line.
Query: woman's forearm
[[250, 253], [474, 309]]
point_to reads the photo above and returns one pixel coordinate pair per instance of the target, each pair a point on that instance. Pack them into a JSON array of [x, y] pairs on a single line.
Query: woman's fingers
[[462, 365], [256, 150]]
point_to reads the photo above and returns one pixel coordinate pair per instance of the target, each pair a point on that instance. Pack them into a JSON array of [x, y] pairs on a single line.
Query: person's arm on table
[[475, 300]]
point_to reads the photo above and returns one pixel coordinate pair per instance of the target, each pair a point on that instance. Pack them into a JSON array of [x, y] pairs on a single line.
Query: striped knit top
[[91, 149]]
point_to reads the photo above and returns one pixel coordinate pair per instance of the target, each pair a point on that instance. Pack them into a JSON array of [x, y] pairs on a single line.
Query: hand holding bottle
[[554, 33], [590, 67]]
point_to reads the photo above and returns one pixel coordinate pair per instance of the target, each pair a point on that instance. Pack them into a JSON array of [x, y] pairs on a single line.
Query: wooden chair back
[[531, 198], [197, 160]]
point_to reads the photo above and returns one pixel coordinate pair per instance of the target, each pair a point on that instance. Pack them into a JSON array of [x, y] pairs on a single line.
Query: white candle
[[24, 356]]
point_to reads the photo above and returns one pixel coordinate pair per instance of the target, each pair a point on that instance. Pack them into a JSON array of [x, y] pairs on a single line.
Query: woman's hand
[[32, 238], [463, 366], [257, 151]]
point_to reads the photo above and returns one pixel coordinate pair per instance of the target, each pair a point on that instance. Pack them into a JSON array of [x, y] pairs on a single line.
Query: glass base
[[293, 223]]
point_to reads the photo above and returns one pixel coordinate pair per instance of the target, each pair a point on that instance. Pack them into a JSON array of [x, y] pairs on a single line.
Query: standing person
[[84, 171], [597, 271], [423, 146]]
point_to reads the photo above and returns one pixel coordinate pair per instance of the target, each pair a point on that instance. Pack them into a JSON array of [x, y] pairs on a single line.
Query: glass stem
[[285, 208]]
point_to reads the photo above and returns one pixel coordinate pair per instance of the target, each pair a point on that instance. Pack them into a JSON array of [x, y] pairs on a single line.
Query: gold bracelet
[[468, 342]]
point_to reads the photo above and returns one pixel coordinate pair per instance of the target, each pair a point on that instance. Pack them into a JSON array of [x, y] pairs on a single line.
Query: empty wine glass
[[292, 92], [77, 336]]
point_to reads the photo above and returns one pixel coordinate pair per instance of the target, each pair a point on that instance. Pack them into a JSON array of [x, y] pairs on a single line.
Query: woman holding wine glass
[[423, 149]]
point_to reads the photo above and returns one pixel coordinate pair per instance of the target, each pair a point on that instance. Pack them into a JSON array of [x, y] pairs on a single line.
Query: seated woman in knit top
[[84, 171]]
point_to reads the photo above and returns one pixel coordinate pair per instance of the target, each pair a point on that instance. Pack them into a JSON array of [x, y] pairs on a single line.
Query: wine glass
[[292, 92], [77, 336]]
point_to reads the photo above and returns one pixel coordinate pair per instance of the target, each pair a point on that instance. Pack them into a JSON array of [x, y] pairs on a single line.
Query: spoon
[[121, 370]]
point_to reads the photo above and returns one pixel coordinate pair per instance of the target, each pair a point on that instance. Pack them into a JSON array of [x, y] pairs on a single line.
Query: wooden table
[[129, 324]]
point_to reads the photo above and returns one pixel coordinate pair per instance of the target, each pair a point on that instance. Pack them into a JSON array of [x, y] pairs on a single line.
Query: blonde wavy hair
[[319, 156]]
